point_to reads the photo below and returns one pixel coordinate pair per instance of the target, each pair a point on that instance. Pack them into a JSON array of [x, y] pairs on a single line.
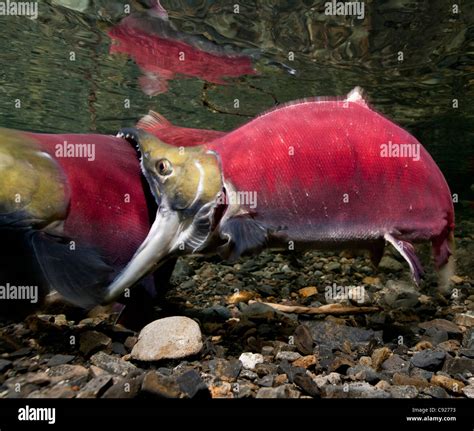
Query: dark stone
[[435, 335], [119, 348], [303, 340], [469, 353], [265, 381], [307, 385], [265, 290], [160, 386], [335, 335], [428, 359], [396, 364], [468, 339], [93, 341], [257, 311], [113, 364], [192, 385], [225, 370], [215, 313], [454, 366], [60, 360], [435, 392], [24, 351], [5, 365], [95, 387], [443, 325], [264, 369], [290, 371], [125, 388], [365, 373]]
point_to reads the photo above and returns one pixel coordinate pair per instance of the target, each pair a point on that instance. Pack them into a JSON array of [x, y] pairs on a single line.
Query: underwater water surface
[[69, 70]]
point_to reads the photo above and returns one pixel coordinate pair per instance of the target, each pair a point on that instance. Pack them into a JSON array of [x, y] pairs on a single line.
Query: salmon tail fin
[[407, 250], [153, 121], [443, 252]]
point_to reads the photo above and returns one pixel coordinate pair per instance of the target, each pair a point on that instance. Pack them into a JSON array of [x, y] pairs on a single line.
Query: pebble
[[303, 340], [379, 356], [96, 387], [400, 295], [459, 365], [192, 385], [441, 324], [280, 379], [332, 266], [93, 341], [225, 370], [241, 296], [435, 392], [396, 364], [306, 292], [389, 264], [66, 372], [361, 372], [422, 345], [247, 374], [464, 319], [428, 359], [307, 385], [250, 360], [5, 365], [403, 391], [265, 381], [113, 364], [58, 391], [59, 360], [331, 378], [355, 390], [468, 391], [283, 391], [288, 356], [403, 379], [160, 386], [221, 390], [451, 385], [125, 388], [335, 335], [168, 338], [305, 361]]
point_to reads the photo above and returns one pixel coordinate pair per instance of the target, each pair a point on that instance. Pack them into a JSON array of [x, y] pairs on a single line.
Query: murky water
[[414, 60]]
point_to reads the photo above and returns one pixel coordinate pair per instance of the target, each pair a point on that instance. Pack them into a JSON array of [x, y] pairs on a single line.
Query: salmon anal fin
[[407, 250]]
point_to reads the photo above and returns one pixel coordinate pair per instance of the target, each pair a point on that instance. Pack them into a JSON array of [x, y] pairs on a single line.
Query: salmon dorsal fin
[[153, 121], [356, 95]]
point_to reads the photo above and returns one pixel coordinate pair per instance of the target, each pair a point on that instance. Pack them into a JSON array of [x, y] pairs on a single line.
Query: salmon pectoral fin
[[443, 247], [376, 252], [78, 273], [244, 235], [407, 250]]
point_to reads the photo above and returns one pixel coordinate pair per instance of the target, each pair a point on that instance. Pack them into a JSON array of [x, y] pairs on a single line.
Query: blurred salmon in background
[[163, 53]]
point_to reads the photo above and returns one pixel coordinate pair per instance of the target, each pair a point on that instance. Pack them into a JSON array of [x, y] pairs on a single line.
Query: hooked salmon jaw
[[186, 184]]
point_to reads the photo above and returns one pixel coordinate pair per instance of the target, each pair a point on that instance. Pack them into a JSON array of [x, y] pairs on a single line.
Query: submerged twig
[[323, 309]]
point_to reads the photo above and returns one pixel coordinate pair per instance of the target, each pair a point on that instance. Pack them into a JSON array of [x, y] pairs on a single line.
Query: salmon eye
[[164, 167]]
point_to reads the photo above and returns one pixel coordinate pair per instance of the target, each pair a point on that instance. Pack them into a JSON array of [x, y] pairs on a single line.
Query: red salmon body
[[335, 171]]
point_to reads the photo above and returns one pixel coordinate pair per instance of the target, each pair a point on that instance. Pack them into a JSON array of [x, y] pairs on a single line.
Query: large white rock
[[168, 338], [250, 360]]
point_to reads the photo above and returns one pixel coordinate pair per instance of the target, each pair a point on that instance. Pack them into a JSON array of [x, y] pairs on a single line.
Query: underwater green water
[[57, 74]]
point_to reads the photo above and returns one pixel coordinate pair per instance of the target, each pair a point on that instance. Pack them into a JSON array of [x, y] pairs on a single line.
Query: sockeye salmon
[[314, 173]]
